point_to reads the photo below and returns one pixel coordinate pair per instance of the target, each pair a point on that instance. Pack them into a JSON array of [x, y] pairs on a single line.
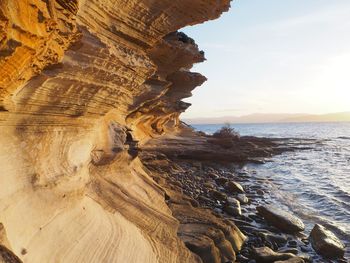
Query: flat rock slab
[[326, 243], [281, 219], [291, 260], [267, 255]]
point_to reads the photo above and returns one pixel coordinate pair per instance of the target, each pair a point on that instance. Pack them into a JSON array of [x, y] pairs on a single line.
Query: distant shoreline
[[273, 118], [272, 122]]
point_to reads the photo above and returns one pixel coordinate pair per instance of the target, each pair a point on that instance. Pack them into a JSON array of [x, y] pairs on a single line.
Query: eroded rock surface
[[83, 85]]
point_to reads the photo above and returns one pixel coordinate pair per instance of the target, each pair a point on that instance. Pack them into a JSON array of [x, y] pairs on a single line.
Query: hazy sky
[[274, 56]]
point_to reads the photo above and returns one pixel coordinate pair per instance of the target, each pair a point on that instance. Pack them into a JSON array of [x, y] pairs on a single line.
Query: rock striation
[[83, 86]]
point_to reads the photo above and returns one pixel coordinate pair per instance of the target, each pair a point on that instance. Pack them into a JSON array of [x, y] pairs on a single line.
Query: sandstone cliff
[[83, 85]]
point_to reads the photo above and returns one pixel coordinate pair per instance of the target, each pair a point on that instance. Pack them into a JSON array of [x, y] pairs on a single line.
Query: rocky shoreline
[[228, 191], [91, 94]]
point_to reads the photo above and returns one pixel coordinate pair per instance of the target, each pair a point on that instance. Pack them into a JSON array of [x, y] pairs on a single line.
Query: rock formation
[[83, 85]]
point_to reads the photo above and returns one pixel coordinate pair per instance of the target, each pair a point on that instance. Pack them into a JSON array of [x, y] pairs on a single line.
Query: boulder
[[234, 187], [242, 198], [266, 255], [219, 195], [233, 202], [281, 219], [204, 247], [326, 243], [233, 211], [233, 207]]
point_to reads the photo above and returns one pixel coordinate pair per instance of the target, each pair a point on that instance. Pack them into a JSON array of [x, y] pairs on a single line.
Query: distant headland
[[271, 117]]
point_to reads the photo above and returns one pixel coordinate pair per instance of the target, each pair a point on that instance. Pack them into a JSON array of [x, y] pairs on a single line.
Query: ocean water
[[314, 184]]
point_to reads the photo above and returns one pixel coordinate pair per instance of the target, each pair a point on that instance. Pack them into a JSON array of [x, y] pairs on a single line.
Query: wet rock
[[266, 255], [326, 243], [234, 187], [254, 217], [305, 257], [292, 244], [260, 192], [242, 198], [305, 241], [242, 259], [219, 195], [233, 201], [233, 210], [289, 250], [291, 260], [280, 240], [304, 248], [233, 207], [221, 180], [281, 219], [204, 199]]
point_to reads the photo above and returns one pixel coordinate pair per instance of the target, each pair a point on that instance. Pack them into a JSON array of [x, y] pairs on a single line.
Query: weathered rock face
[[80, 83]]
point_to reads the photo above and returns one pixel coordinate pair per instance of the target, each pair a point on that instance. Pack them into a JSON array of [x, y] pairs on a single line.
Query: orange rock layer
[[81, 84]]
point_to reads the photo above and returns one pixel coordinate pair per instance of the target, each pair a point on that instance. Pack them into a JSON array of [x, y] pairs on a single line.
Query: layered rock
[[82, 85]]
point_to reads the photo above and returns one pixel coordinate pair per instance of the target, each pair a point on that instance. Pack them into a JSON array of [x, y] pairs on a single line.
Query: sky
[[273, 56]]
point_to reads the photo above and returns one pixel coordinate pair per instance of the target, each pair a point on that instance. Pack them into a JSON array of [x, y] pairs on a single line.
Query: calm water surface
[[314, 183]]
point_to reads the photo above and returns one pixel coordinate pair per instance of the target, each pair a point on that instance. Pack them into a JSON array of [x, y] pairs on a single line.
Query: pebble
[[209, 185], [260, 192], [213, 176]]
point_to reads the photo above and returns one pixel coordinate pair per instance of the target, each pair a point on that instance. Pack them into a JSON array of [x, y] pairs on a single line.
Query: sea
[[312, 183]]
